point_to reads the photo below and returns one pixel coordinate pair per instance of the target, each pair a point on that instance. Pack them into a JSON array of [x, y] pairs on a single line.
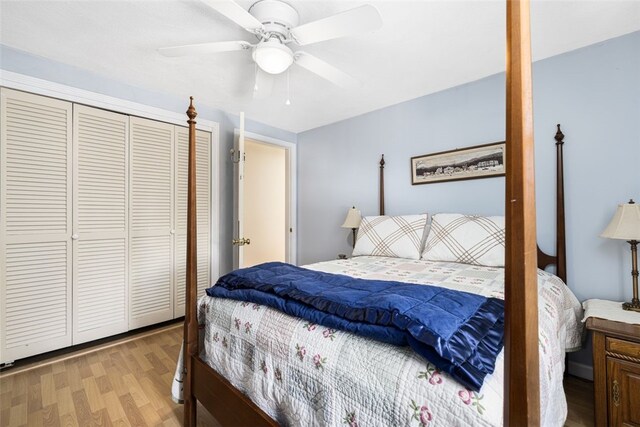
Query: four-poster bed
[[521, 358]]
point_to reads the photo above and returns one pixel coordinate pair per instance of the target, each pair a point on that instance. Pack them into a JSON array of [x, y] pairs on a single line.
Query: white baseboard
[[580, 370]]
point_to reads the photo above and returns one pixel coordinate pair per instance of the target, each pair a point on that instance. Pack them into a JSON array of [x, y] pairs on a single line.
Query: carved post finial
[[559, 136], [382, 161], [191, 111]]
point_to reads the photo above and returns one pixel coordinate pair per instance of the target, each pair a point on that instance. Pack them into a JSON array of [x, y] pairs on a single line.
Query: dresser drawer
[[626, 348]]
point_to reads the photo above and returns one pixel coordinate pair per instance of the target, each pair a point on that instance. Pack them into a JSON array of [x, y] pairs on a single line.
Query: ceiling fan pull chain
[[288, 101], [255, 85]]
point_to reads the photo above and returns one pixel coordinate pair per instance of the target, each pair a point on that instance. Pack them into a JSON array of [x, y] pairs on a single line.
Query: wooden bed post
[[522, 373], [381, 195], [191, 316], [561, 247]]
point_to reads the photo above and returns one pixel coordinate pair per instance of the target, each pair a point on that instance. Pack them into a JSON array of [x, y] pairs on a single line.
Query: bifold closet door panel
[[151, 267], [203, 202], [100, 229], [35, 224]]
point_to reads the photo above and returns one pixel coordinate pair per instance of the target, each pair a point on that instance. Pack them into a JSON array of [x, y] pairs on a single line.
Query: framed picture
[[480, 161]]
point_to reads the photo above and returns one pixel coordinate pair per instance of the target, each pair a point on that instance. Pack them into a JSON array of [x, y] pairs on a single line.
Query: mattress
[[305, 374]]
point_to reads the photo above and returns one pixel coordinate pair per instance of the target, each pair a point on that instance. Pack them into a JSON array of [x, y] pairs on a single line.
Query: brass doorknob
[[241, 242]]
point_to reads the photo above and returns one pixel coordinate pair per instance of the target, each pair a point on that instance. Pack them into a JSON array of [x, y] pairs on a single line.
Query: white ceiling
[[423, 47]]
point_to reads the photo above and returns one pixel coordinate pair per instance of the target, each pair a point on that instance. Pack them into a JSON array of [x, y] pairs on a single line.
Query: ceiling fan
[[275, 24]]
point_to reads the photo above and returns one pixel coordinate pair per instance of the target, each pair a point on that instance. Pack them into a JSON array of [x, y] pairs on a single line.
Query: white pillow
[[392, 236], [467, 239]]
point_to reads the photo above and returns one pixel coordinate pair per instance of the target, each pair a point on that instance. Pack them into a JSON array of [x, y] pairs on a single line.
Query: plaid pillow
[[392, 236], [467, 239]]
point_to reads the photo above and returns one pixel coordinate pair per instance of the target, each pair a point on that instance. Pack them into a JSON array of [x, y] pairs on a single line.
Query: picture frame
[[479, 161]]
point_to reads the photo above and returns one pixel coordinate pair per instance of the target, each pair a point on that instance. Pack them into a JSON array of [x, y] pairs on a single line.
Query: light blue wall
[[25, 63], [593, 92]]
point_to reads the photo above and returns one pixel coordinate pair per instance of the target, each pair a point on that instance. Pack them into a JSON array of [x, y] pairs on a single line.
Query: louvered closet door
[[100, 258], [35, 224], [151, 271], [203, 200]]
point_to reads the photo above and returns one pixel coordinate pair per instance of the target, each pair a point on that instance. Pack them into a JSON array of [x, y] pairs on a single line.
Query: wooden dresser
[[616, 372]]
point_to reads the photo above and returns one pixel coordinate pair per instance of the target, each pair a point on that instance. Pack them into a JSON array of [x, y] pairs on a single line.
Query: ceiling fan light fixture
[[273, 57]]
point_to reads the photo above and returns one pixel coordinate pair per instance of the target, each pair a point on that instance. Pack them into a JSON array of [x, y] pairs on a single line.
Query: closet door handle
[[172, 232], [74, 237]]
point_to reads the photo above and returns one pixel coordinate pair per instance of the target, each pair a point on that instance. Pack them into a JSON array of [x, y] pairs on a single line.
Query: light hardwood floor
[[580, 402], [129, 383], [125, 384]]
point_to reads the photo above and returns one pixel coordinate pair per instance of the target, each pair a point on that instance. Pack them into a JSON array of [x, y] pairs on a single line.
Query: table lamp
[[353, 222], [625, 225]]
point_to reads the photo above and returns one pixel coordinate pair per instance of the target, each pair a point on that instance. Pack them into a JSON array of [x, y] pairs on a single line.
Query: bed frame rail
[[229, 405]]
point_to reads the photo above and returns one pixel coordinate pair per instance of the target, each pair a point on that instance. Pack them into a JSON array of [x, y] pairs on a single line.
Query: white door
[[35, 224], [265, 203], [100, 224], [262, 192], [151, 209]]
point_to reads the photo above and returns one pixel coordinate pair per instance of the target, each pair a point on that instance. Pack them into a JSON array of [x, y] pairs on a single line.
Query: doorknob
[[241, 242]]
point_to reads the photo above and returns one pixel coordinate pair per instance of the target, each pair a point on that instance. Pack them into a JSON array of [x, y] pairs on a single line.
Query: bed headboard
[[544, 259]]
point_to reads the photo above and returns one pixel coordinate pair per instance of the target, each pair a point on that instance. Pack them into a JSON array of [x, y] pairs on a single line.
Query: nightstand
[[616, 364]]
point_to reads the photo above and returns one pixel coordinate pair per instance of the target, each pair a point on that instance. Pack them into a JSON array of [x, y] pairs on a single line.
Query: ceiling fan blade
[[325, 70], [263, 85], [196, 49], [359, 20], [236, 13]]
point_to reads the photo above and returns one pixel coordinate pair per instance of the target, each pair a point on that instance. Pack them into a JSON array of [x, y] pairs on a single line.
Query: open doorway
[[264, 189]]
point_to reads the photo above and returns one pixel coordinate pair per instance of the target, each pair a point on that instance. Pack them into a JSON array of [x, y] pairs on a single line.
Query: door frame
[[292, 191]]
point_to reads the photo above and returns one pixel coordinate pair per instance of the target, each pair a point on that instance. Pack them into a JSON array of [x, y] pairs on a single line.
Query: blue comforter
[[459, 332]]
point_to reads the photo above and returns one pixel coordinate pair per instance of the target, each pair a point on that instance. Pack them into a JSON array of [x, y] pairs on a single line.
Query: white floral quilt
[[304, 374]]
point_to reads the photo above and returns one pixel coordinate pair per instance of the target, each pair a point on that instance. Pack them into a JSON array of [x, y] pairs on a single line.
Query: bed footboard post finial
[[561, 247], [191, 111], [381, 195], [190, 347]]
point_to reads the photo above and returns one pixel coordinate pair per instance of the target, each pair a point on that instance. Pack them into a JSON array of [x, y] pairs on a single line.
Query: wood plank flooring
[[129, 384], [579, 401], [124, 385]]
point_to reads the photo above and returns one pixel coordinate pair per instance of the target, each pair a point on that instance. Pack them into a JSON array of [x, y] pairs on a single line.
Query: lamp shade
[[353, 218], [625, 224]]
